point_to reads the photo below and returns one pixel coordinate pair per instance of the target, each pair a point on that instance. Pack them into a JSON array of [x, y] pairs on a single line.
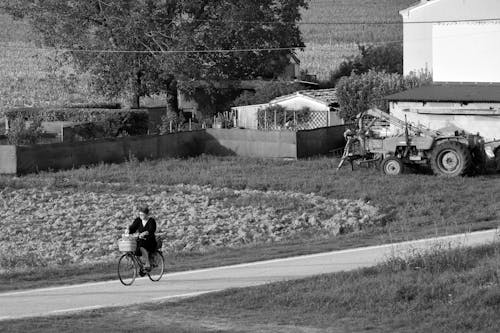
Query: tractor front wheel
[[451, 159], [392, 166]]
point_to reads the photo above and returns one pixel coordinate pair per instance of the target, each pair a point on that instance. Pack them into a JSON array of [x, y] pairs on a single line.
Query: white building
[[322, 104], [459, 42]]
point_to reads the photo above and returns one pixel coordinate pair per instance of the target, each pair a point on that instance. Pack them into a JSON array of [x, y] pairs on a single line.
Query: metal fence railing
[[293, 122]]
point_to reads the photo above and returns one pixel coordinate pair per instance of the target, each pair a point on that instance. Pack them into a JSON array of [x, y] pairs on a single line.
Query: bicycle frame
[[138, 267]]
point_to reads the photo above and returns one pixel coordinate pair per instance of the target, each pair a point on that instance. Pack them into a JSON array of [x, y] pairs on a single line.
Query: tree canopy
[[141, 46], [381, 58], [359, 92]]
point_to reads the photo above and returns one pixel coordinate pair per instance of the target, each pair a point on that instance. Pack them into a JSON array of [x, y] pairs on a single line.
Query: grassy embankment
[[416, 205], [438, 291]]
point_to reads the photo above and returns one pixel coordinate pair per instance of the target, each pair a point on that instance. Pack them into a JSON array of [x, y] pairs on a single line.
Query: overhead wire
[[152, 51], [249, 49], [361, 22]]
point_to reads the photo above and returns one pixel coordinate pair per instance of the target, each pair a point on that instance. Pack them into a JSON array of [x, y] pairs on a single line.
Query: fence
[[320, 141], [295, 120], [240, 142]]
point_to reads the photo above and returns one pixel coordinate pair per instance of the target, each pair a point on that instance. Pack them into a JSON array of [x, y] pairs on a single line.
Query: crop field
[[33, 77], [85, 225], [352, 21], [322, 59], [333, 37]]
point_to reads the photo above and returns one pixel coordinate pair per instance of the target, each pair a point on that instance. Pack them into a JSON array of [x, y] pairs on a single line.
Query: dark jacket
[[148, 242]]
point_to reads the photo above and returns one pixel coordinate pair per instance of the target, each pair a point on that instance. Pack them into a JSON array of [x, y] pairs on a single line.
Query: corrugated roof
[[327, 96], [450, 92]]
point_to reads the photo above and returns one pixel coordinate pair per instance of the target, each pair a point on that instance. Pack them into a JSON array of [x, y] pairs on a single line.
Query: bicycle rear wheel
[[127, 269], [157, 266]]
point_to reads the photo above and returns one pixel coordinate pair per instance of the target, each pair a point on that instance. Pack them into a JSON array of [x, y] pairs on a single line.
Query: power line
[[361, 22], [154, 51], [9, 46]]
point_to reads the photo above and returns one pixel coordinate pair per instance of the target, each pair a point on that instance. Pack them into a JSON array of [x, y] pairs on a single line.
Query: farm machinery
[[393, 144]]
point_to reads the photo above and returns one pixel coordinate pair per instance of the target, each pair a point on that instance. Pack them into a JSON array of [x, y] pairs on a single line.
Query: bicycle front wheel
[[157, 266], [127, 269]]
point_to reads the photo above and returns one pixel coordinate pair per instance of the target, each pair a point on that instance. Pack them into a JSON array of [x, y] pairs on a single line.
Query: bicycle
[[130, 265]]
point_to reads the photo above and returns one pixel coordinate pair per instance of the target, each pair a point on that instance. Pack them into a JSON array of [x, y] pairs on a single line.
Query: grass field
[[436, 291], [414, 205]]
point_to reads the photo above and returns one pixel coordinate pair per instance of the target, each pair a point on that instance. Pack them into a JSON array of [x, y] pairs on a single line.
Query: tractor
[[393, 145]]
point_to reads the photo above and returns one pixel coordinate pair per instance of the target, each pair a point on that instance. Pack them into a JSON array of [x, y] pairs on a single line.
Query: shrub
[[357, 93], [107, 122], [176, 120], [170, 119], [21, 134]]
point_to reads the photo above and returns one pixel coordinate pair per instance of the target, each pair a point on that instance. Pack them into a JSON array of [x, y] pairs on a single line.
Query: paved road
[[58, 300]]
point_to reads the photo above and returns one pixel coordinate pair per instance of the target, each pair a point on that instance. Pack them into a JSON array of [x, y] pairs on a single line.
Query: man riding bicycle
[[146, 227]]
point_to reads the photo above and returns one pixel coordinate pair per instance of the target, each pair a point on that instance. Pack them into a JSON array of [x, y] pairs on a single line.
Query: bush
[[106, 122], [358, 93], [21, 134], [172, 118]]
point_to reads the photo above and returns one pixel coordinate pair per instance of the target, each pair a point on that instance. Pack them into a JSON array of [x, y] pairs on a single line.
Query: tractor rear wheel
[[451, 159], [392, 166]]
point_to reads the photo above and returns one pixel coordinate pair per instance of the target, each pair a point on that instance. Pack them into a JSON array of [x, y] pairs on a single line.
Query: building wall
[[335, 119], [251, 143], [421, 43], [482, 118], [8, 159], [300, 102], [247, 115]]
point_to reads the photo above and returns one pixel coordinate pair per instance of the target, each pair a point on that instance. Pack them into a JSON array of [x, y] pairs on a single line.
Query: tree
[[381, 58], [357, 93], [157, 28], [266, 91]]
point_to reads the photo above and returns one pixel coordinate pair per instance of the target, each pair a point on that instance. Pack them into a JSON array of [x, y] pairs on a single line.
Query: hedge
[[111, 122]]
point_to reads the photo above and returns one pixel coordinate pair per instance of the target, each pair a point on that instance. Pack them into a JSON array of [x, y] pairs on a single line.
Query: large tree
[[141, 46]]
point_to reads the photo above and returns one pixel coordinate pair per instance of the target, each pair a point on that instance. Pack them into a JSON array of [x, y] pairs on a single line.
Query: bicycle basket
[[127, 245]]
